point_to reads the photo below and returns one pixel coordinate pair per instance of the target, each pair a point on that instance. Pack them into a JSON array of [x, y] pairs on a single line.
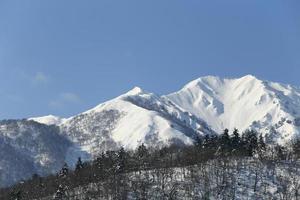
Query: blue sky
[[64, 56]]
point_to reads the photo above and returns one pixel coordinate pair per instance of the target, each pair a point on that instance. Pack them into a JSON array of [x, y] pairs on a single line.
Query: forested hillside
[[215, 167]]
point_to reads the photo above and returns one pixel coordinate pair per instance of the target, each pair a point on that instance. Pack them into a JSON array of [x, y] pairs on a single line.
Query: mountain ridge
[[238, 103], [206, 105]]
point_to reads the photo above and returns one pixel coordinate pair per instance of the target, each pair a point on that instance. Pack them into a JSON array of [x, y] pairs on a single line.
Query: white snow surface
[[144, 118], [218, 103], [206, 105], [242, 103], [48, 120]]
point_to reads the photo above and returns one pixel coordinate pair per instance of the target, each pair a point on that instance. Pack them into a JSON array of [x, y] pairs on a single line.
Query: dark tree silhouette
[[250, 141], [64, 171], [235, 139], [225, 142], [79, 165]]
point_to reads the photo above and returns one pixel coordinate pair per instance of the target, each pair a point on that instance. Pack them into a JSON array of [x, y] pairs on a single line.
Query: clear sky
[[62, 57]]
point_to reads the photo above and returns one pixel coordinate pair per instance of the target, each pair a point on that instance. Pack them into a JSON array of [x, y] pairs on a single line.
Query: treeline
[[113, 168]]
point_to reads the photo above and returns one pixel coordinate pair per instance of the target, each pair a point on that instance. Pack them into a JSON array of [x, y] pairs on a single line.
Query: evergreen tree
[[79, 165], [142, 154], [261, 149], [250, 141], [121, 159], [101, 164], [206, 141], [199, 142], [236, 139], [225, 141], [64, 171]]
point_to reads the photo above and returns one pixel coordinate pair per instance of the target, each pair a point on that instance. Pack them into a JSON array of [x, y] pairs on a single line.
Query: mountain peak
[[134, 91], [245, 102], [206, 105], [216, 80], [249, 77], [48, 120], [210, 80]]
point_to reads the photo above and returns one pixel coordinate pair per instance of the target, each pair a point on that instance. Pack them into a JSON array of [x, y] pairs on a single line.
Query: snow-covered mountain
[[270, 108], [204, 106], [48, 120], [132, 119], [28, 147], [42, 144]]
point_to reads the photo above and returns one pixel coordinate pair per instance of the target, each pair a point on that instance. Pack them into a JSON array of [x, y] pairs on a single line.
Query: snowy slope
[[48, 120], [204, 106], [247, 102], [27, 147], [132, 119]]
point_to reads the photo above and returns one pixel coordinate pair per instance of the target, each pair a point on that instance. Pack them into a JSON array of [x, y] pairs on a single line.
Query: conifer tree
[[199, 142], [121, 159], [100, 165], [250, 141], [142, 154], [64, 171], [206, 141], [225, 141], [236, 139], [79, 165]]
